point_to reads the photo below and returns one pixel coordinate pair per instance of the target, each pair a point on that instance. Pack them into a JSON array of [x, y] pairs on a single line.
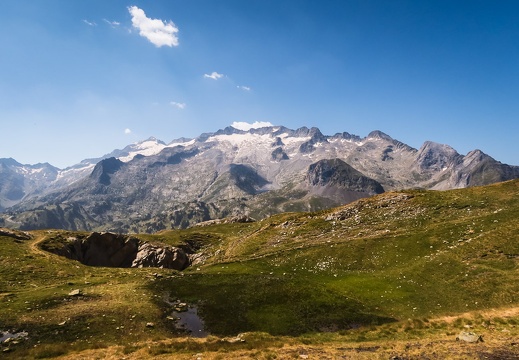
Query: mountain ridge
[[151, 186]]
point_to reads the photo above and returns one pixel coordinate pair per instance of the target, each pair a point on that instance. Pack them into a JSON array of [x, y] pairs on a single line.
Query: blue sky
[[81, 78]]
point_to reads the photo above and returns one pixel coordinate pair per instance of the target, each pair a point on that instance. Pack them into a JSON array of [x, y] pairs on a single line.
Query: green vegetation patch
[[230, 303]]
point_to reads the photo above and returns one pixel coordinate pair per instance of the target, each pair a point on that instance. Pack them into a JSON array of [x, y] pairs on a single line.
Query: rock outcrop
[[18, 235], [116, 250]]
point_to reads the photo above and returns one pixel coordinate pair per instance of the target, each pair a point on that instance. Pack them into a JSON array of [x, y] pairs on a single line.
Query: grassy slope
[[399, 255], [390, 267]]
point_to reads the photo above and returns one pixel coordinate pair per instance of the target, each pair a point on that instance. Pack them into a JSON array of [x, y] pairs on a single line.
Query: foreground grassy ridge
[[389, 268]]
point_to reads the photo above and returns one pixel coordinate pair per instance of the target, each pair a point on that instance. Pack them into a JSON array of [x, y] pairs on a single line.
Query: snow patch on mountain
[[291, 140], [150, 147], [68, 172], [185, 143], [242, 139], [245, 126]]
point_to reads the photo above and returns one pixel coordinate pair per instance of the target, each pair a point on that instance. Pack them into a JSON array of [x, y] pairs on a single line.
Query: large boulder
[[149, 255]]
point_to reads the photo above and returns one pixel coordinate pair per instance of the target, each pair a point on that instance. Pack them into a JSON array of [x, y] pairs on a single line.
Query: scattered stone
[[228, 220], [62, 323], [232, 340], [469, 337], [180, 307], [150, 325], [75, 292]]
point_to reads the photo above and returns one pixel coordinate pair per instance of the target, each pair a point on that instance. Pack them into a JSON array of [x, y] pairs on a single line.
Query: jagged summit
[[9, 162], [437, 157]]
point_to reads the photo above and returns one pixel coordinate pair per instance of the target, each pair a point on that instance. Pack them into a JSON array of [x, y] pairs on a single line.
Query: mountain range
[[150, 186]]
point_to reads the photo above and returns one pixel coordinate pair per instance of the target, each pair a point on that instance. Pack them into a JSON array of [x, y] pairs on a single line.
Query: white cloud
[[214, 75], [127, 131], [89, 23], [245, 126], [245, 88], [112, 23], [158, 32], [178, 105]]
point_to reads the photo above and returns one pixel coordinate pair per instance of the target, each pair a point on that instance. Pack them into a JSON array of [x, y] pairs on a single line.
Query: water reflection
[[7, 335], [191, 322]]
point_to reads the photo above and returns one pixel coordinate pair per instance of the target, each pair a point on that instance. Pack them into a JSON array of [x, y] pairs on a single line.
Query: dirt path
[[499, 312], [34, 246]]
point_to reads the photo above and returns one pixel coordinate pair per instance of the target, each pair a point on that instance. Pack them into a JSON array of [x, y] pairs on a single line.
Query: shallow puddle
[[191, 322], [7, 335]]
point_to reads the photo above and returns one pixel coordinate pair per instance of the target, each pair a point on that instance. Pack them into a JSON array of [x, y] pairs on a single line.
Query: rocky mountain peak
[[104, 169], [346, 136], [437, 157], [9, 162], [336, 172], [476, 155], [152, 139], [377, 134]]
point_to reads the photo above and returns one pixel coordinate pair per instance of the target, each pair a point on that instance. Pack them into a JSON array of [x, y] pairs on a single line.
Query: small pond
[[191, 322]]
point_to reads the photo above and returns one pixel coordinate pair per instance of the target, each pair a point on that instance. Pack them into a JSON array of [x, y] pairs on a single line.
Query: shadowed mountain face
[[335, 179], [104, 169], [150, 186], [247, 179], [335, 172]]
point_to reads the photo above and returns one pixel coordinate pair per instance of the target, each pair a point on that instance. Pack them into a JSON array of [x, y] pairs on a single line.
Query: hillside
[[151, 186], [398, 274]]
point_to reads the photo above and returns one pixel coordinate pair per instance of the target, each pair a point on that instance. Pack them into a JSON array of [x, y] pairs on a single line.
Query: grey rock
[[163, 257], [76, 292], [469, 337]]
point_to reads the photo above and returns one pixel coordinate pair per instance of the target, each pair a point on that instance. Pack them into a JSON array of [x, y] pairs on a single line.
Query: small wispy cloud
[[178, 105], [113, 24], [245, 126], [244, 88], [158, 32], [214, 75], [89, 23], [127, 131]]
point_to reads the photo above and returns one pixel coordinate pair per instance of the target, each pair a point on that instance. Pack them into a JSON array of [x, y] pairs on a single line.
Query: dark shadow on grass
[[234, 303]]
